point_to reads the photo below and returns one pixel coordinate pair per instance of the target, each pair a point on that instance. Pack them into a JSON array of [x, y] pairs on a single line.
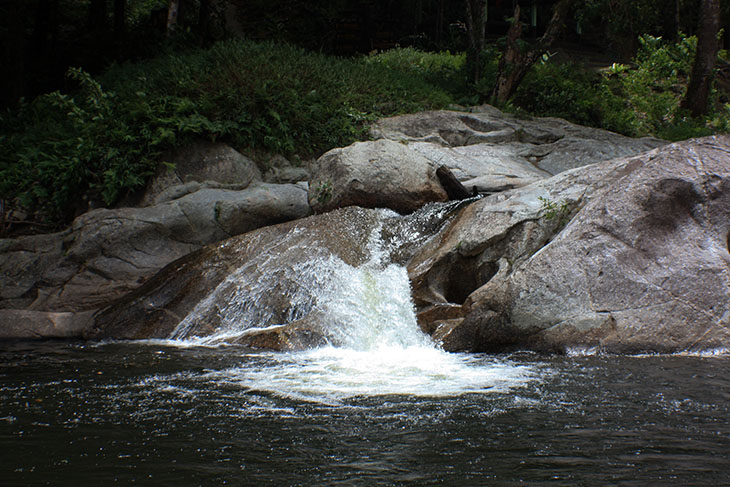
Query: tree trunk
[[515, 63], [204, 15], [12, 40], [700, 82], [120, 26], [173, 12], [475, 28]]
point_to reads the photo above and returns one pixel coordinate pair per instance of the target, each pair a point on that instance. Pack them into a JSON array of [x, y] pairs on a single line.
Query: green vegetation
[[559, 212], [324, 192], [639, 99], [61, 152]]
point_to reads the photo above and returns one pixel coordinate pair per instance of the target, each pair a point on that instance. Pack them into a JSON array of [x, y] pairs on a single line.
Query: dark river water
[[158, 414]]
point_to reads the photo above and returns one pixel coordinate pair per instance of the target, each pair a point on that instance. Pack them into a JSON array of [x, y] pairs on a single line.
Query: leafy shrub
[[441, 69], [281, 98], [560, 90], [62, 151], [637, 100]]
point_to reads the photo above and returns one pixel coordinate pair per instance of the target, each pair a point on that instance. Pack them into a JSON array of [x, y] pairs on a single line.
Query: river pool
[[167, 413]]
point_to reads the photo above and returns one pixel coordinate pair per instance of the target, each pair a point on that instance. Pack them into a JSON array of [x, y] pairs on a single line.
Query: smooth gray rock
[[625, 256], [379, 174], [282, 171], [199, 162], [489, 168], [107, 253], [549, 145]]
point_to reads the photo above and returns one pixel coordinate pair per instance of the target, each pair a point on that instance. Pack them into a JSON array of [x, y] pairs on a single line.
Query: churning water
[[375, 346], [155, 415]]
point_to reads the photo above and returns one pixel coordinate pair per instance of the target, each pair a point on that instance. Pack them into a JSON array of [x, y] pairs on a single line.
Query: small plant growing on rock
[[551, 210], [324, 192]]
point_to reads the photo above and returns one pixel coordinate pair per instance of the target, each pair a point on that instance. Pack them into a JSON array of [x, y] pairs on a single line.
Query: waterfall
[[358, 305], [374, 344]]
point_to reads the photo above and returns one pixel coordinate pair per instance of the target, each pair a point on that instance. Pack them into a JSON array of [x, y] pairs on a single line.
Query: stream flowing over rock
[[630, 255], [580, 239], [276, 287]]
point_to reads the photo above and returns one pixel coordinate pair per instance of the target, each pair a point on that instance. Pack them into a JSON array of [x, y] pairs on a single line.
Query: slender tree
[[516, 62], [173, 13], [120, 26], [12, 48], [700, 81], [475, 29]]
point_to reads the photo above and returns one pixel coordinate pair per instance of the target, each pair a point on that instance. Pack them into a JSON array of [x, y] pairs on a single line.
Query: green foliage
[[638, 100], [442, 69], [560, 90], [62, 152], [103, 140], [280, 98], [324, 192], [552, 211]]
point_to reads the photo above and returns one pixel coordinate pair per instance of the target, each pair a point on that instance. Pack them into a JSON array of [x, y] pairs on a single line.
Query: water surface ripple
[[154, 414]]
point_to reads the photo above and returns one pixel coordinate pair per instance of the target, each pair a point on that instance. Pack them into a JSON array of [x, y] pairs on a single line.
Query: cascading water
[[374, 345]]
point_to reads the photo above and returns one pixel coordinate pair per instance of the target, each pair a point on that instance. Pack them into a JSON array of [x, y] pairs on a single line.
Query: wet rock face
[[29, 325], [253, 277], [279, 287], [627, 256]]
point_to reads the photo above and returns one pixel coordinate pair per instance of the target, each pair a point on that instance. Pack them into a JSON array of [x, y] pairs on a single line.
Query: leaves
[[102, 141]]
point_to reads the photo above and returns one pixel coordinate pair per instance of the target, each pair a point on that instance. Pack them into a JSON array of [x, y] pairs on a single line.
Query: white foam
[[376, 346], [331, 374]]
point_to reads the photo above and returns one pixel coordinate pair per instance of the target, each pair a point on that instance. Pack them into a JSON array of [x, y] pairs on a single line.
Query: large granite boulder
[[201, 162], [493, 151], [486, 150], [379, 174], [278, 287], [625, 256], [488, 168], [107, 253]]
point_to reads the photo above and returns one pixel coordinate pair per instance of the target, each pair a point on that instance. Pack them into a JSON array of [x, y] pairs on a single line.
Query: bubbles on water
[[330, 375], [368, 317]]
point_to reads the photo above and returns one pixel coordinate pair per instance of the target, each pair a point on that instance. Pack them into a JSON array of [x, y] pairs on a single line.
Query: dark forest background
[[41, 39], [95, 93]]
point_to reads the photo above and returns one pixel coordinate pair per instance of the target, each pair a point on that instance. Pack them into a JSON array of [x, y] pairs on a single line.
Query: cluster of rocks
[[206, 193], [583, 238]]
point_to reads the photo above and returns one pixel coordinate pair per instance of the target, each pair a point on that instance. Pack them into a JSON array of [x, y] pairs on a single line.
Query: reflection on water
[[152, 414]]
